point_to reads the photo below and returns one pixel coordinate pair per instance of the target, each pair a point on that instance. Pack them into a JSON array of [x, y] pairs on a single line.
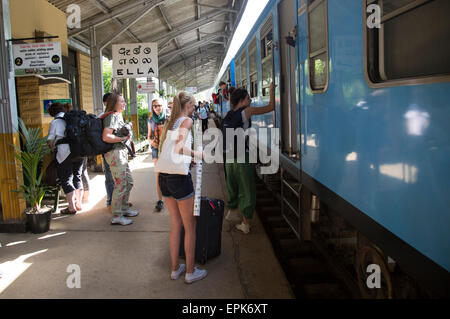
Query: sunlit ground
[[13, 269]]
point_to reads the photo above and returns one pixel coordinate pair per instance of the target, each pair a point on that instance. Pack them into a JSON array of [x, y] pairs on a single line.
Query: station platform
[[133, 261]]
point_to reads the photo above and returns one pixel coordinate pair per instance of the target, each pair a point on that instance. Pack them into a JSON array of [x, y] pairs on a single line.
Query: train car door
[[290, 143], [290, 146]]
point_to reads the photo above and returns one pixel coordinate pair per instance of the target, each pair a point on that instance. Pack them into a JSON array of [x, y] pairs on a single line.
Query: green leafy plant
[[143, 126], [35, 148]]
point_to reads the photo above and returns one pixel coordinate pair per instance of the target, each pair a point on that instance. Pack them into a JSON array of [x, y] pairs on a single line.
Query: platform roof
[[192, 35]]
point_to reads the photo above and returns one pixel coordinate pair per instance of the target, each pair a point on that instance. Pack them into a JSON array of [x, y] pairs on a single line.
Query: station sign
[[37, 58], [191, 90], [135, 60], [146, 88]]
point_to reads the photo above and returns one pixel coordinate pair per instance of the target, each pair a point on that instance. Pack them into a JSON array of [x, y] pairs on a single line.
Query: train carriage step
[[267, 201], [276, 221], [283, 233], [270, 211], [293, 248]]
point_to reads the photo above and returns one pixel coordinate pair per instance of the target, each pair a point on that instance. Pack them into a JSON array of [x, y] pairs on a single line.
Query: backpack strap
[[104, 116]]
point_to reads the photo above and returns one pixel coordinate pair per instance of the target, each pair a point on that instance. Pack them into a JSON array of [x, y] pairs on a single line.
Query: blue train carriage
[[364, 138]]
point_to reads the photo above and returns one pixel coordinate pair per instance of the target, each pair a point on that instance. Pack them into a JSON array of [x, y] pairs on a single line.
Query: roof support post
[[97, 73], [134, 107]]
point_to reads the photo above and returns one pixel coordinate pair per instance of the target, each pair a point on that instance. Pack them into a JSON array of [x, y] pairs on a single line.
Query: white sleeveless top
[[189, 138]]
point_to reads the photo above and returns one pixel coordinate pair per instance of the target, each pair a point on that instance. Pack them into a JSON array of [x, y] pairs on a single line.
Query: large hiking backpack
[[84, 134]]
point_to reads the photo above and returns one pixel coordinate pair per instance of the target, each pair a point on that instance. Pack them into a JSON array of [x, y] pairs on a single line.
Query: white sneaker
[[131, 213], [231, 217], [245, 228], [121, 221], [195, 276], [177, 273]]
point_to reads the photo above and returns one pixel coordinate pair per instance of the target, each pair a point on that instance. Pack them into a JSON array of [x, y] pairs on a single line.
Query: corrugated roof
[[192, 35]]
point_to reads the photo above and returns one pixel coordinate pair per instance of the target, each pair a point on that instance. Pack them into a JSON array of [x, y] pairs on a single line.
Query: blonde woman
[[178, 191]]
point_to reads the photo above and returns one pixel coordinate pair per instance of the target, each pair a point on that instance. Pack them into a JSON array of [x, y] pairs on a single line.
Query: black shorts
[[179, 187]]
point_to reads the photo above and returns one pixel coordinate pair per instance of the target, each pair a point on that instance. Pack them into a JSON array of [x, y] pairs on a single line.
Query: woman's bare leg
[[175, 232], [187, 215], [158, 190]]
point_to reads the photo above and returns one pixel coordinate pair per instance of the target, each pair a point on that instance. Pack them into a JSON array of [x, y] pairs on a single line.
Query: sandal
[[67, 211]]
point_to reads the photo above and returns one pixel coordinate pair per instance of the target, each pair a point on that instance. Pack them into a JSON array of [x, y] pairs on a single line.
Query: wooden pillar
[[12, 206]]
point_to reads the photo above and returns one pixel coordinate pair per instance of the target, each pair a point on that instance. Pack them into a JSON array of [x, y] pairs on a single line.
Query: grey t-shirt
[[115, 121]]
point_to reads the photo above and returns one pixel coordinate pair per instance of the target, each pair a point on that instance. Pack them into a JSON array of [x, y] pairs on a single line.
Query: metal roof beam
[[183, 67], [194, 45], [224, 9], [115, 12], [189, 65], [202, 55], [162, 9], [185, 28], [103, 7], [181, 74], [146, 9], [198, 17]]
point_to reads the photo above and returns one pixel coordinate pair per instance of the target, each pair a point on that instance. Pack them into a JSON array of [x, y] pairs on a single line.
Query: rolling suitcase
[[208, 231]]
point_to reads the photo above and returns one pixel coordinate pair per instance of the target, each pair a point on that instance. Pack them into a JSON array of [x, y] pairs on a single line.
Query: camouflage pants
[[123, 181]]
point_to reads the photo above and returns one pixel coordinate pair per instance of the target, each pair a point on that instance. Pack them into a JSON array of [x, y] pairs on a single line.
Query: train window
[[253, 68], [318, 44], [244, 70], [266, 55], [411, 46]]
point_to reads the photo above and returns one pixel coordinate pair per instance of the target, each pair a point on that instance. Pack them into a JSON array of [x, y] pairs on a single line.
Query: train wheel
[[368, 256]]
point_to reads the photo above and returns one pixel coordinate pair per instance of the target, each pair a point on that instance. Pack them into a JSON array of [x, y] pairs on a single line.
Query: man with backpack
[[70, 166]]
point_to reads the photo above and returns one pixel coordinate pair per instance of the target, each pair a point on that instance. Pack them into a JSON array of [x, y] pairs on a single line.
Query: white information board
[[191, 90], [136, 60], [146, 88], [37, 58]]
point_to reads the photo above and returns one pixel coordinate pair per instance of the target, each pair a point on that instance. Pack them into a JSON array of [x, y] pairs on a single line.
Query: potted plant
[[33, 189]]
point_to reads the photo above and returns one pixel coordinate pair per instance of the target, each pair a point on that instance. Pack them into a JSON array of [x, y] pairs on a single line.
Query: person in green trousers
[[240, 177]]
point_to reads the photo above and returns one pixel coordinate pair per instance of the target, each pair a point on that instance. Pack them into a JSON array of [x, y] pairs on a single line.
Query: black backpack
[[84, 134], [233, 120]]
